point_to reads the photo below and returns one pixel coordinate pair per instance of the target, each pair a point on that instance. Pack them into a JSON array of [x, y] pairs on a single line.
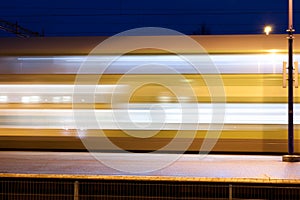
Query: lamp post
[[290, 157]]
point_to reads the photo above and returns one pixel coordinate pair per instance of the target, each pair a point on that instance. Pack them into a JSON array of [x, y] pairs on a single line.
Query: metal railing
[[61, 189]]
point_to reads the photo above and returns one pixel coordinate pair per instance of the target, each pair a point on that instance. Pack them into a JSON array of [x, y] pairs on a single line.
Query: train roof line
[[213, 44]]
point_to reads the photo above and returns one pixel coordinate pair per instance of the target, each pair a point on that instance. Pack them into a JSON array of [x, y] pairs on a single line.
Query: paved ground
[[146, 166]]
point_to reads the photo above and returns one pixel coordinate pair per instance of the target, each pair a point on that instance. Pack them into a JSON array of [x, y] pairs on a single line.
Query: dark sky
[[109, 17]]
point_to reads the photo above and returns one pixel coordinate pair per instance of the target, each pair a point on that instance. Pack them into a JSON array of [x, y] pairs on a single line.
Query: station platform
[[188, 167]]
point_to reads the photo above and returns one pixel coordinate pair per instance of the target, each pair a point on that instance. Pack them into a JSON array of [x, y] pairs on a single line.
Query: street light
[[268, 29]]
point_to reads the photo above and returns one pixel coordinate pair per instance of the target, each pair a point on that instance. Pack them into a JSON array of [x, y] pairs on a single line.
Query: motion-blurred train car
[[51, 100]]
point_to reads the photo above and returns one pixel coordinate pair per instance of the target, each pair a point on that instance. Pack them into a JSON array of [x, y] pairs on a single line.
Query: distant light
[[268, 29], [56, 99], [273, 51], [66, 98], [3, 99], [165, 98], [31, 99], [187, 80]]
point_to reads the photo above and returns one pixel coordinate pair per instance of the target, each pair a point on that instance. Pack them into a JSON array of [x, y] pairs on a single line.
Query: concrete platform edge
[[151, 178]]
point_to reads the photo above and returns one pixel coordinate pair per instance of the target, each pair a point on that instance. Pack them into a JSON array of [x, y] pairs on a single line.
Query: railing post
[[230, 192], [76, 190]]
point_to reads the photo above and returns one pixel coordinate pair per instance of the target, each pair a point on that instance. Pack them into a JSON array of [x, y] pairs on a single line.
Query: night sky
[[109, 17]]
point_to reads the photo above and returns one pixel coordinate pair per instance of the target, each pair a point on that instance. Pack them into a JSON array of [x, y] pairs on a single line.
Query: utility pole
[[18, 30], [291, 157]]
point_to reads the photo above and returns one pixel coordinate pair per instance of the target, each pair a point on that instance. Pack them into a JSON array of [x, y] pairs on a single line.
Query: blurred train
[[40, 76]]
